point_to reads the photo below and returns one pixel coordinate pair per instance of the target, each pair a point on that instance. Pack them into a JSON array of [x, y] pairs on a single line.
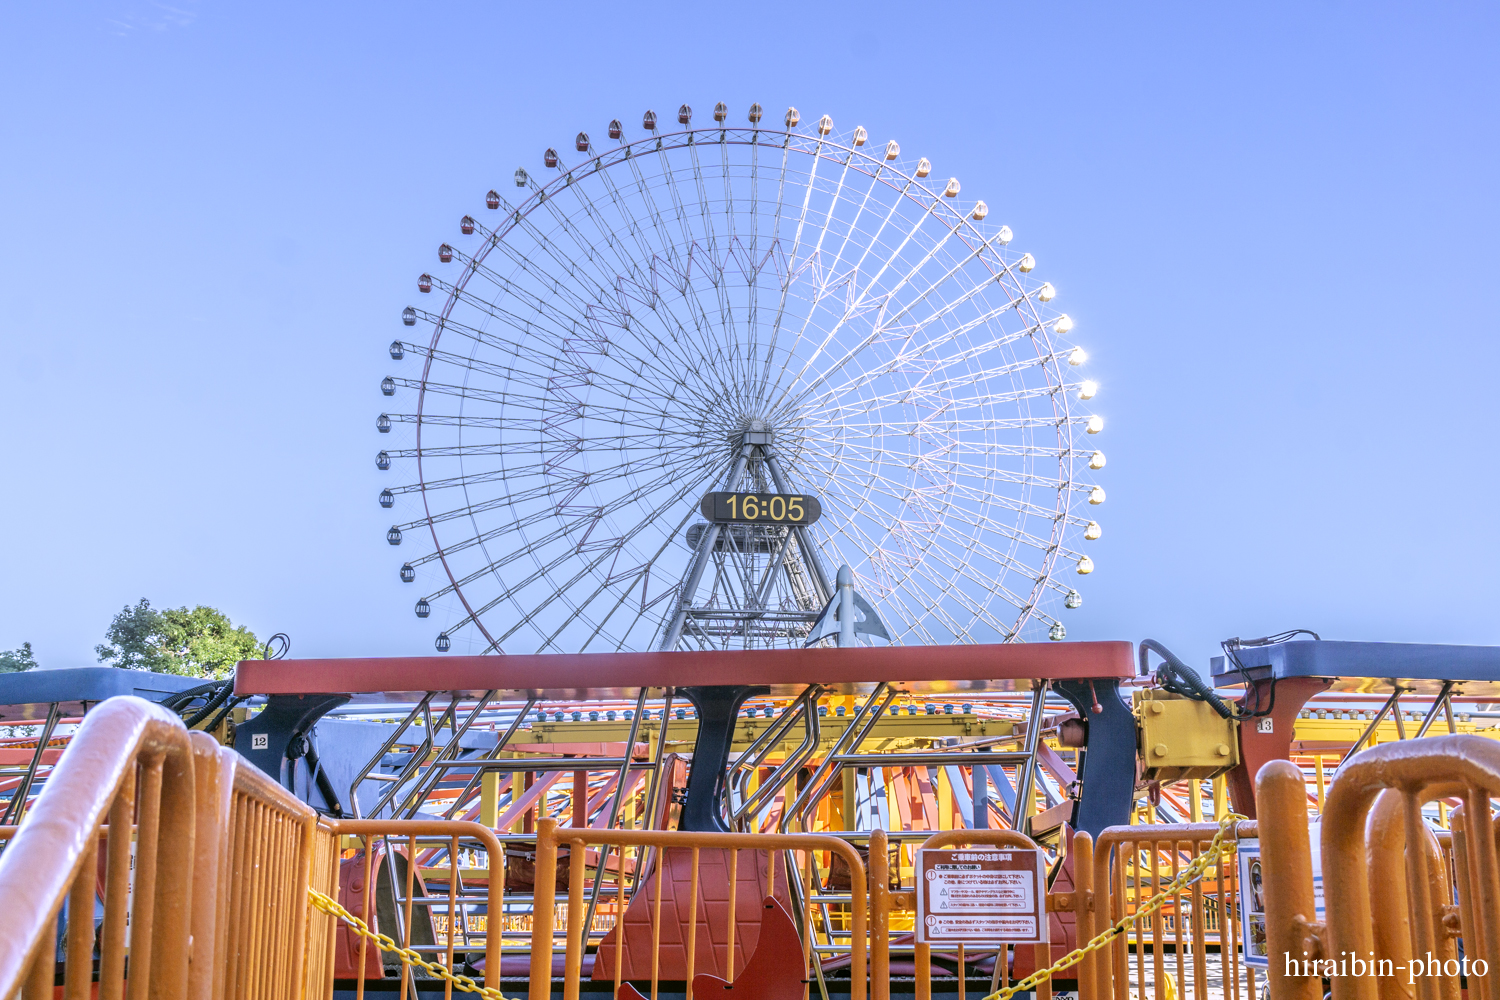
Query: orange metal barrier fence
[[1055, 903], [1188, 948], [1394, 925], [130, 761], [721, 943], [224, 859], [393, 866]]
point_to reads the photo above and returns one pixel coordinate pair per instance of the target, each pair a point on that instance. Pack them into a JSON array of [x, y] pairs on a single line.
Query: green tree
[[131, 640], [13, 661], [197, 642], [205, 642]]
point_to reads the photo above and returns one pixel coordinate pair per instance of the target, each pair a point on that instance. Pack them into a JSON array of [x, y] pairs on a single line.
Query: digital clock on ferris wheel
[[761, 508]]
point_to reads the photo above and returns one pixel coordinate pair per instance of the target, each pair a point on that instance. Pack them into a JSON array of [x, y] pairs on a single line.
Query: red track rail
[[989, 667]]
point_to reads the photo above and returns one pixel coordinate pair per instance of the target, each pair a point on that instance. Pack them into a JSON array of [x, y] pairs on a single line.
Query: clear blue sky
[[1274, 224]]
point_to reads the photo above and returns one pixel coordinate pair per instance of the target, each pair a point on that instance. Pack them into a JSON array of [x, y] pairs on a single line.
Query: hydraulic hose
[[182, 699], [226, 688], [1179, 678]]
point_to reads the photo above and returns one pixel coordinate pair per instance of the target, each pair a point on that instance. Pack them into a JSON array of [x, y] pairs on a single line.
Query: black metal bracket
[[267, 740], [1109, 758], [718, 706]]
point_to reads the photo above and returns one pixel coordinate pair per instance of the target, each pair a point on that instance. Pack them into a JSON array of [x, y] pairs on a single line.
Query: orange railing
[[1188, 948], [1056, 903], [130, 766], [224, 858], [796, 857], [398, 856], [1385, 903]]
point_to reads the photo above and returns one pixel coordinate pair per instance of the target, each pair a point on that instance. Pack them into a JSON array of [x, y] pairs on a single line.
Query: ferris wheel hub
[[750, 430]]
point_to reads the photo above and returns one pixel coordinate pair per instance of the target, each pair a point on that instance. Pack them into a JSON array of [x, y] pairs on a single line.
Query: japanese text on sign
[[988, 896]]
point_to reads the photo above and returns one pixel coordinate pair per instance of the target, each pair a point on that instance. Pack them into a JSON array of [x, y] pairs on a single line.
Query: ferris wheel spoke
[[830, 270], [494, 534], [853, 226], [623, 584], [787, 275], [989, 318], [569, 515], [526, 437], [547, 380], [597, 286], [534, 355], [938, 594], [628, 418], [645, 276], [904, 495], [859, 300], [940, 422], [645, 576], [575, 301], [582, 318], [530, 262], [811, 185], [1009, 561], [549, 371], [942, 458], [558, 481], [958, 334], [601, 283], [612, 550], [553, 331], [975, 254], [946, 572], [703, 341], [625, 265], [885, 321], [971, 376], [940, 398], [720, 249], [552, 434], [1015, 296], [561, 321], [693, 302]]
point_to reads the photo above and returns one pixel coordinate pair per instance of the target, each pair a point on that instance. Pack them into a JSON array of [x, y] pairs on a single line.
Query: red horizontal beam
[[994, 665]]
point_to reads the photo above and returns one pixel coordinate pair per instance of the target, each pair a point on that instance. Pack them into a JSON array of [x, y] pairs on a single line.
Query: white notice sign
[[987, 895]]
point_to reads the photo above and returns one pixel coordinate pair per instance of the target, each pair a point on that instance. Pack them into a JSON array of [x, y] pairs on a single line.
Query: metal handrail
[[204, 833], [812, 736], [853, 735], [499, 747], [929, 759], [454, 746], [17, 806], [374, 762]]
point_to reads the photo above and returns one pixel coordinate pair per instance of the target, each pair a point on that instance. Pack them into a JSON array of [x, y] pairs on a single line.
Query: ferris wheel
[[761, 310]]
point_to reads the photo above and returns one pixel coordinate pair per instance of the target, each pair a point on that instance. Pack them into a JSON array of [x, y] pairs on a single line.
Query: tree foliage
[[196, 642], [13, 661]]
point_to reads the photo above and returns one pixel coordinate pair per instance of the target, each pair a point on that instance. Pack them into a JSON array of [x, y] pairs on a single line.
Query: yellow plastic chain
[[1189, 875], [331, 907]]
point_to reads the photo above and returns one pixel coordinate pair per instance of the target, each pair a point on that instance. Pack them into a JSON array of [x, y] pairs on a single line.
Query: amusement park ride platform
[[934, 717], [1087, 674]]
